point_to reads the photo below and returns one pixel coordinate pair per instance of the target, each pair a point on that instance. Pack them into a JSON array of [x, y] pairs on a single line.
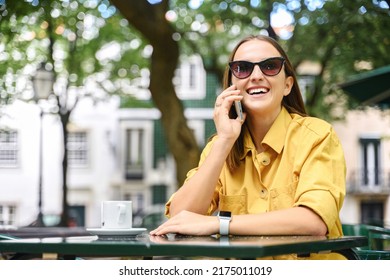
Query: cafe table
[[146, 246]]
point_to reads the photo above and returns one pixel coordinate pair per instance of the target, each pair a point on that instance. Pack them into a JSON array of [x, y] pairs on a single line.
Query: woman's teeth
[[257, 91]]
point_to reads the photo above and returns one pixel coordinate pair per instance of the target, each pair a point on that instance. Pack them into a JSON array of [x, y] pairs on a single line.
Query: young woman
[[274, 172]]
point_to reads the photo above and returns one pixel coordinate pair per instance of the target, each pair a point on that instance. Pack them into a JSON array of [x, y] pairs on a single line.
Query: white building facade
[[111, 155], [366, 142]]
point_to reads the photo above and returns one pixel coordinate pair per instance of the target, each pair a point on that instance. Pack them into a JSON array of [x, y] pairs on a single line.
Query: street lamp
[[43, 85]]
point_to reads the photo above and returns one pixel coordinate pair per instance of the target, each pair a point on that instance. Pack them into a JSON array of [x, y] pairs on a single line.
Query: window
[[159, 194], [135, 139], [370, 161], [138, 201], [7, 215], [190, 79], [192, 76], [8, 148], [77, 149], [372, 213]]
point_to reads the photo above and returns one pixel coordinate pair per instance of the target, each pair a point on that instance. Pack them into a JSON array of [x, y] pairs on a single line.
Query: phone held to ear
[[238, 107]]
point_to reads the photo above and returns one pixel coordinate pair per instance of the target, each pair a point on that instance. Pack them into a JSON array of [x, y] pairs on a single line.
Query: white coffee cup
[[116, 214]]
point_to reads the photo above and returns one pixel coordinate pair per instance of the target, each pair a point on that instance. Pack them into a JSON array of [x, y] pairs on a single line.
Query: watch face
[[225, 214]]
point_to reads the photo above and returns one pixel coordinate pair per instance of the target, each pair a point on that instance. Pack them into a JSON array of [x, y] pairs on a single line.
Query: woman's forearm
[[291, 221], [196, 194]]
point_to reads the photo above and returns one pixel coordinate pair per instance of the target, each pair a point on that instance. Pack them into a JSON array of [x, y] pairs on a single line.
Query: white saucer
[[116, 231]]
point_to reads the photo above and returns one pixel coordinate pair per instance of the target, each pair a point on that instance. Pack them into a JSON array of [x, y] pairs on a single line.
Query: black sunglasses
[[242, 69]]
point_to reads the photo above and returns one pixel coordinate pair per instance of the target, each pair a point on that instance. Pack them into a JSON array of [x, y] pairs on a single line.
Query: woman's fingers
[[188, 223], [226, 96]]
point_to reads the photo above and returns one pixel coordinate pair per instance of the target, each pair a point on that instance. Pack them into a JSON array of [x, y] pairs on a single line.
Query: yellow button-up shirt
[[302, 165]]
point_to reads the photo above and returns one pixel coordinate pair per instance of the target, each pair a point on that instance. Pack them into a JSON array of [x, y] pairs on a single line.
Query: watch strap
[[224, 226], [224, 220]]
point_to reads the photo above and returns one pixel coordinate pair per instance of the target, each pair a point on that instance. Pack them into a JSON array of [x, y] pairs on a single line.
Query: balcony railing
[[369, 181]]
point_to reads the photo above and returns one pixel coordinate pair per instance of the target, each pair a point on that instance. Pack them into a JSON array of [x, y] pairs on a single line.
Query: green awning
[[370, 88]]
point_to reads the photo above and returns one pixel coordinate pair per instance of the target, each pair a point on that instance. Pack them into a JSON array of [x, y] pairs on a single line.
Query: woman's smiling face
[[262, 94]]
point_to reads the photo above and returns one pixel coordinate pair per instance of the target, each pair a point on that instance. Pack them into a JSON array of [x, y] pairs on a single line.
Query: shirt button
[[265, 160], [263, 193]]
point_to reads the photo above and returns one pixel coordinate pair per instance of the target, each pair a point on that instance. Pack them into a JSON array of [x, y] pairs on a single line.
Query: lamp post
[[43, 86]]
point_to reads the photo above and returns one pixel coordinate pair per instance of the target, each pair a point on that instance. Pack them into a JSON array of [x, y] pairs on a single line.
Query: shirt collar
[[274, 138]]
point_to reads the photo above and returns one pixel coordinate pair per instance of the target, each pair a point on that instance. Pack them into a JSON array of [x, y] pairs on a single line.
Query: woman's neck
[[258, 126]]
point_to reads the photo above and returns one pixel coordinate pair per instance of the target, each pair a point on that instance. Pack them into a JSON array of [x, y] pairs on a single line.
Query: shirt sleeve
[[322, 178]]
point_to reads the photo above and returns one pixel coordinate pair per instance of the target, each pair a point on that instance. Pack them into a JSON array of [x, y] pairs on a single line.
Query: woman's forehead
[[256, 50]]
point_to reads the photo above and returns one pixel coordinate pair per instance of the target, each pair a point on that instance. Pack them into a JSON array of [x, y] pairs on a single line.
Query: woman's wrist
[[224, 144]]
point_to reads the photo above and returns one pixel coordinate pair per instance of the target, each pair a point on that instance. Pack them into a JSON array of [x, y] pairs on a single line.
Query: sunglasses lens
[[272, 66], [241, 69]]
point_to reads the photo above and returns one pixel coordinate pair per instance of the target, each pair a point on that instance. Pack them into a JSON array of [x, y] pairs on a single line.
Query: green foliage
[[94, 43], [213, 28], [340, 36], [90, 45], [129, 101], [344, 37]]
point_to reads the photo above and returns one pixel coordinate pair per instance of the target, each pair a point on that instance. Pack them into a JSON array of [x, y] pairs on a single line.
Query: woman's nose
[[257, 73]]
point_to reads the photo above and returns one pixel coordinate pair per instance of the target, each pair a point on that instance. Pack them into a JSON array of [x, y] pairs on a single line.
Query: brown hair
[[292, 102]]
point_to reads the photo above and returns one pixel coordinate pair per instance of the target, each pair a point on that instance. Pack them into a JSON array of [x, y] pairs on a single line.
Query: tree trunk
[[150, 21], [179, 137], [64, 221]]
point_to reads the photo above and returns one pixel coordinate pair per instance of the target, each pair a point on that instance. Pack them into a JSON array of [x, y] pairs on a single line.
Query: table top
[[31, 231], [172, 245]]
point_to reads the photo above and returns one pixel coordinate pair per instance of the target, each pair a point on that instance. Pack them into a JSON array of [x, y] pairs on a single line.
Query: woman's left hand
[[189, 223]]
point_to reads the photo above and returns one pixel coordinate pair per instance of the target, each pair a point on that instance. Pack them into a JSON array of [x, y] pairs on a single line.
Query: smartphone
[[238, 107]]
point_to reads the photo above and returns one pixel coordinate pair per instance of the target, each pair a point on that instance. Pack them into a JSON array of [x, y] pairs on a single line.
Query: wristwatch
[[224, 220]]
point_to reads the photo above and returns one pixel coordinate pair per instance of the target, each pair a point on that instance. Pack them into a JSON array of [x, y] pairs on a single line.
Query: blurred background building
[[119, 153]]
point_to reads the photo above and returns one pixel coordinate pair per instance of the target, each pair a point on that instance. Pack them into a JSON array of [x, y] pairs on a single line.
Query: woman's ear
[[288, 85]]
